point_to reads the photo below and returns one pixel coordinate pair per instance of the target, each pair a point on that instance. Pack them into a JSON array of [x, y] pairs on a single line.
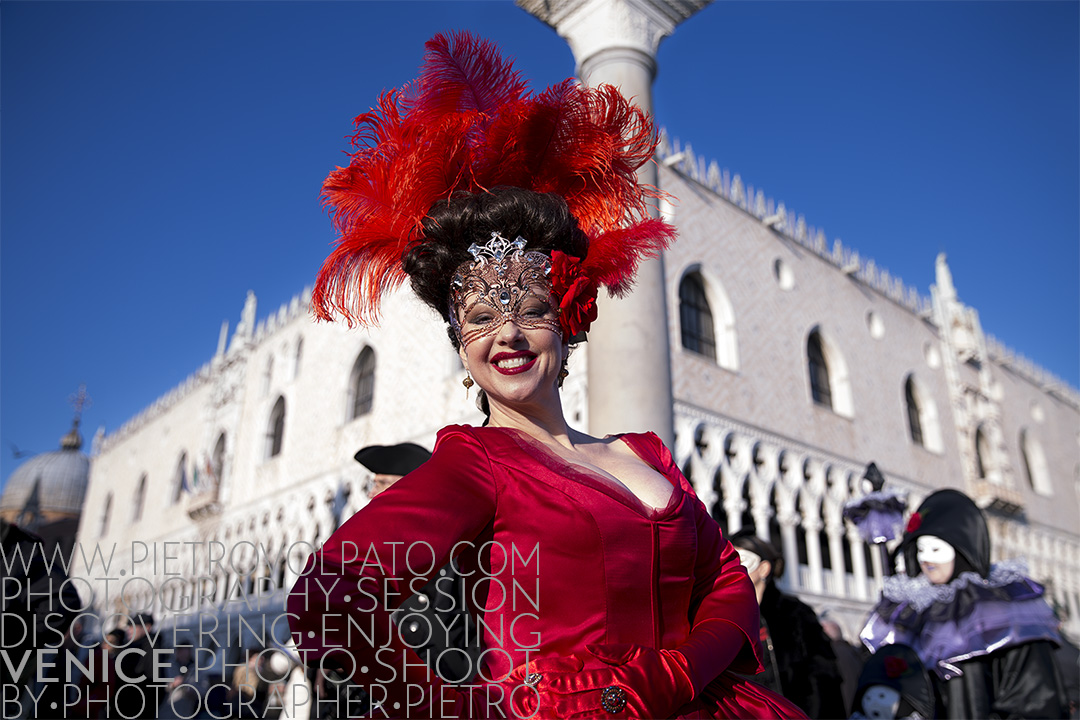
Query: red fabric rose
[[914, 523], [895, 667], [575, 291]]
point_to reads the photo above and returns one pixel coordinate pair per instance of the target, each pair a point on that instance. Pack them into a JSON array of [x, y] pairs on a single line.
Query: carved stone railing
[[803, 489], [800, 488]]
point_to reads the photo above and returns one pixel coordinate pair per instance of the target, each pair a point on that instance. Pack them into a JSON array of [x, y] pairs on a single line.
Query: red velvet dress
[[556, 558]]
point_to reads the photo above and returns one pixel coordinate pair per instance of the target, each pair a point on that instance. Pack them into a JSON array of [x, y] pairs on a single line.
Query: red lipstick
[[530, 360]]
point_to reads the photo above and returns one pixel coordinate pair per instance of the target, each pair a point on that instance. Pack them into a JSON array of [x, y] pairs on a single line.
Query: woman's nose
[[508, 331]]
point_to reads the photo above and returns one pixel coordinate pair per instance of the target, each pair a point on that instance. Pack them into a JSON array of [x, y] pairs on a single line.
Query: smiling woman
[[518, 208], [498, 297]]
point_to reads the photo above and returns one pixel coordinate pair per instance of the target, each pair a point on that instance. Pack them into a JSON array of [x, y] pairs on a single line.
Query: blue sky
[[159, 159]]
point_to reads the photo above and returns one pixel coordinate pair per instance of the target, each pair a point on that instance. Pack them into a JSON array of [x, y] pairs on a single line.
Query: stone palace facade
[[794, 364]]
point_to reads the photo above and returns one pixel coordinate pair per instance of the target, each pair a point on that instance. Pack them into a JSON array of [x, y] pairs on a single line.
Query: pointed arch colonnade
[[794, 495]]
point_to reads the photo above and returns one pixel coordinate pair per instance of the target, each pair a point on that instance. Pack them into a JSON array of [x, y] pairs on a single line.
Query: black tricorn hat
[[747, 539], [399, 459]]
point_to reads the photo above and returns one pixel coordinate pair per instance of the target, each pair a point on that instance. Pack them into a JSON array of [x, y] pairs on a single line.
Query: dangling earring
[[564, 372], [468, 383]]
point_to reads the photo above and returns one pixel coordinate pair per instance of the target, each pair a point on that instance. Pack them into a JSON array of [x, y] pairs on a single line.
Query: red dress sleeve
[[340, 606], [723, 606], [722, 590]]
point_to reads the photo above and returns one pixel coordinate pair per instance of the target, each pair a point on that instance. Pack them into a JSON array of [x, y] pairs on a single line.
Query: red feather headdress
[[470, 123]]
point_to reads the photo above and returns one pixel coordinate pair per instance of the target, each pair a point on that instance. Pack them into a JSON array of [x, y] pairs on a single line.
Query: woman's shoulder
[[487, 440], [646, 444], [648, 438]]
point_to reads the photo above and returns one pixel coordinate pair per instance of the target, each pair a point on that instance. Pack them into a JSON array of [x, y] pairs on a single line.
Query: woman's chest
[[582, 526]]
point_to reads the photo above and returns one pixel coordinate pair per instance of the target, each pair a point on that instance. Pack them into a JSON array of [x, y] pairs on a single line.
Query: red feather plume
[[470, 123]]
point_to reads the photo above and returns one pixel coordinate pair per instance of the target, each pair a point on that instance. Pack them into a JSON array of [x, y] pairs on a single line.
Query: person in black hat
[[895, 684], [799, 660], [390, 463], [452, 647], [985, 631]]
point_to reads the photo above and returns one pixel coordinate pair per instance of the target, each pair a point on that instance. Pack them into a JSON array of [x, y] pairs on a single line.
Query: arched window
[[746, 518], [362, 384], [830, 386], [140, 499], [922, 416], [180, 481], [912, 402], [105, 515], [695, 317], [299, 357], [1035, 466], [776, 535], [275, 429], [268, 375], [217, 461], [820, 387], [982, 452], [719, 512]]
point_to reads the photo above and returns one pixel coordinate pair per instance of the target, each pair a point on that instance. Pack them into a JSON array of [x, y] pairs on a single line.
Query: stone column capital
[[594, 26]]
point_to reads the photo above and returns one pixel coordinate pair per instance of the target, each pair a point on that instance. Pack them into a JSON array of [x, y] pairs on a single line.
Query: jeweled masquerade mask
[[502, 282]]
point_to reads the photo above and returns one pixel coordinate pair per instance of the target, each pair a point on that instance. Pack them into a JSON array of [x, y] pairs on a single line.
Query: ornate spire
[[80, 401]]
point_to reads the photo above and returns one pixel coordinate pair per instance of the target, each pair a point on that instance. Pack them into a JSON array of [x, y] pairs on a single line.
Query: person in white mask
[[984, 631]]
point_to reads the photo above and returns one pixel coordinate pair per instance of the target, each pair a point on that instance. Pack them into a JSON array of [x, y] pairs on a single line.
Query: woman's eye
[[535, 310], [481, 319]]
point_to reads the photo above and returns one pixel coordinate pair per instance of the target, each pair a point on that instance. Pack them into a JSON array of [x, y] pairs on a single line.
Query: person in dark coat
[[799, 660], [435, 621], [849, 660], [1068, 660], [985, 631], [895, 685]]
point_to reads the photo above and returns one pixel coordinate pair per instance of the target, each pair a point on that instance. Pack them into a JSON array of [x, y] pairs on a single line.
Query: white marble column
[[615, 42], [858, 562]]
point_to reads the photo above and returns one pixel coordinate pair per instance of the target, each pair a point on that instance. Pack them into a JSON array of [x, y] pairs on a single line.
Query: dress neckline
[[610, 486]]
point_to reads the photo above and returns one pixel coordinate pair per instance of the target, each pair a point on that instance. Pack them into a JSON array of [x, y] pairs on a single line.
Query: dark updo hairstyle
[[451, 226]]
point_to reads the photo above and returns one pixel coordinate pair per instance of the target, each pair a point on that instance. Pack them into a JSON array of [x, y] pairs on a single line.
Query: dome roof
[[58, 478]]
